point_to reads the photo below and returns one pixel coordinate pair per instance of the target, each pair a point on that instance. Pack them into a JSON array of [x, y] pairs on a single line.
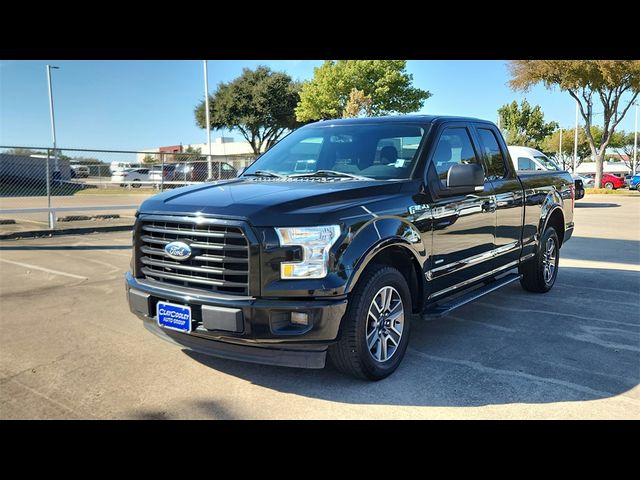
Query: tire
[[539, 274], [351, 354], [136, 184], [608, 186], [638, 187]]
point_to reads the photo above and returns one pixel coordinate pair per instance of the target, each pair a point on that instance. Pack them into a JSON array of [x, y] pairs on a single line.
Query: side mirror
[[465, 178]]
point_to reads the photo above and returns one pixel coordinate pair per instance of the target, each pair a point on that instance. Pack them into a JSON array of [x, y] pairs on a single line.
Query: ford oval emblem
[[178, 250]]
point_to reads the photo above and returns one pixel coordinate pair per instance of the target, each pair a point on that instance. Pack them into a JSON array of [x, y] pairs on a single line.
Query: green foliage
[[383, 86], [259, 104], [551, 144], [625, 147], [523, 125], [358, 103], [150, 159], [24, 152], [615, 83], [193, 150]]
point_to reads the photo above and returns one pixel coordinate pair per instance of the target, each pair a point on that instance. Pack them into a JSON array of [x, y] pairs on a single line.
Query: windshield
[[547, 162], [382, 152]]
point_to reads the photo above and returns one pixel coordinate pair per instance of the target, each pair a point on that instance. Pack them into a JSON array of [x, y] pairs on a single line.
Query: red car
[[611, 181]]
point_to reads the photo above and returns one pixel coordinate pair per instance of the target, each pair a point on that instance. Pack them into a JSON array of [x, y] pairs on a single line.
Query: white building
[[618, 168], [220, 146]]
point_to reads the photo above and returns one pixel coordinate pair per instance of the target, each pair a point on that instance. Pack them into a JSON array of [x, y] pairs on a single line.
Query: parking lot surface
[[70, 348], [25, 222]]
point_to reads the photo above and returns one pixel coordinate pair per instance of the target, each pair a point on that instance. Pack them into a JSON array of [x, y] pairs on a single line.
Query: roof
[[395, 119], [529, 150]]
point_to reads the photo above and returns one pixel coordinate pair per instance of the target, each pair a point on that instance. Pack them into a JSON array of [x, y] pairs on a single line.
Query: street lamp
[[206, 113], [56, 167], [575, 142], [635, 143]]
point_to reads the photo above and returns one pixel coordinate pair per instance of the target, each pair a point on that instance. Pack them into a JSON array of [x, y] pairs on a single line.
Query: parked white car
[[131, 177], [79, 171], [530, 159], [117, 167], [586, 181]]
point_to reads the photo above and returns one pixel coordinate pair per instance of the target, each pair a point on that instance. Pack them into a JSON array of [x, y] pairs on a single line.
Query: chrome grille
[[219, 262]]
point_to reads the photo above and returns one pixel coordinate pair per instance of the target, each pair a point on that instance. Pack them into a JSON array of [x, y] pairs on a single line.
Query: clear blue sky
[[134, 104]]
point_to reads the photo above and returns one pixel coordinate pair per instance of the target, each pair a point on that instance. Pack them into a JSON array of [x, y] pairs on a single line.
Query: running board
[[440, 310]]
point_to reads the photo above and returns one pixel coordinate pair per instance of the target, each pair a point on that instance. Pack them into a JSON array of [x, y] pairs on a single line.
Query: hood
[[267, 202]]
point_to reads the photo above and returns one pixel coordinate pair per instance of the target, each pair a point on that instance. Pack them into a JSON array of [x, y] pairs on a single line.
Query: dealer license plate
[[175, 317]]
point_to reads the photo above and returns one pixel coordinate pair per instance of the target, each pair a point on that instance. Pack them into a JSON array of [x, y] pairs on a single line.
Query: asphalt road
[[69, 348]]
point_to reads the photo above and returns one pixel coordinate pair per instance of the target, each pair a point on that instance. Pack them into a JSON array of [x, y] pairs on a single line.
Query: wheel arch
[[397, 253]]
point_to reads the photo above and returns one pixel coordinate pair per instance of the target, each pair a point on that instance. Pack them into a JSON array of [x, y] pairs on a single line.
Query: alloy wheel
[[385, 322]]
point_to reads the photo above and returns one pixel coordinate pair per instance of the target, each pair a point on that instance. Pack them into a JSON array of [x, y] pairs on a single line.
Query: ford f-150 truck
[[340, 236]]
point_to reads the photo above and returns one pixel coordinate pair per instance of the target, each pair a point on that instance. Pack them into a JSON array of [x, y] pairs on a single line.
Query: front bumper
[[244, 328]]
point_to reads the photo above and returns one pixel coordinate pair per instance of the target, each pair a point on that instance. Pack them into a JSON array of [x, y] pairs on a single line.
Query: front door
[[464, 225]]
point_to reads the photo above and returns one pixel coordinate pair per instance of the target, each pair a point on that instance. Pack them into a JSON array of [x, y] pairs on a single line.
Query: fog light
[[299, 318]]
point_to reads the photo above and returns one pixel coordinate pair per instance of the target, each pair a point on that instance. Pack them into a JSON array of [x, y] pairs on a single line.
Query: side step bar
[[440, 310]]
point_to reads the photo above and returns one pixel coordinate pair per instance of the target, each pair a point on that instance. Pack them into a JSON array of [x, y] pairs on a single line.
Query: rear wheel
[[539, 274], [375, 330], [608, 186]]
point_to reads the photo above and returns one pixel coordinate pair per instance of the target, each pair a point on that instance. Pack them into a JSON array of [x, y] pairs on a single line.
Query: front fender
[[375, 236]]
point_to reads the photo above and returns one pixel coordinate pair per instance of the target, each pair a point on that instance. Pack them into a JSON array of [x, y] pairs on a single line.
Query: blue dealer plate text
[[175, 317]]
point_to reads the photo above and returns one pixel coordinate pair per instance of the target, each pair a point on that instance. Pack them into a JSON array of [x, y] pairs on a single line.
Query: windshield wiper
[[263, 173], [329, 173]]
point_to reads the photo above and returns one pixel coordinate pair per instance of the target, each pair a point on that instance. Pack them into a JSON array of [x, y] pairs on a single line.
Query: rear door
[[509, 196], [463, 225]]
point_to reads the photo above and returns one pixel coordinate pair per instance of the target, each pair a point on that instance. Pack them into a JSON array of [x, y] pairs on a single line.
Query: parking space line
[[520, 375], [552, 314], [43, 269], [577, 263]]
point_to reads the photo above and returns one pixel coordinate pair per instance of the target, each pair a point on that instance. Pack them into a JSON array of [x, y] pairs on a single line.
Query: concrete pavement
[[69, 348]]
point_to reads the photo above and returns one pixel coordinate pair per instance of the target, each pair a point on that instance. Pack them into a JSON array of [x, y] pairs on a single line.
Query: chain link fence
[[46, 189]]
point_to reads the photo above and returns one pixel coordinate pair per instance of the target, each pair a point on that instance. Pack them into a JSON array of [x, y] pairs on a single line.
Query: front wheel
[[539, 274], [608, 186], [375, 330]]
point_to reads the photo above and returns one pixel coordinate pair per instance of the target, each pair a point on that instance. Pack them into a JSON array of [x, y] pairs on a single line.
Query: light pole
[[635, 143], [56, 167], [560, 156], [206, 106], [575, 142]]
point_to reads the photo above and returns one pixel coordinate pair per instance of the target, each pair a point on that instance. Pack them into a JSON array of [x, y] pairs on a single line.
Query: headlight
[[315, 243]]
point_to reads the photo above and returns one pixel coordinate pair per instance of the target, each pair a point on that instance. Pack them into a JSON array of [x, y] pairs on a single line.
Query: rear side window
[[525, 164], [454, 147], [496, 167]]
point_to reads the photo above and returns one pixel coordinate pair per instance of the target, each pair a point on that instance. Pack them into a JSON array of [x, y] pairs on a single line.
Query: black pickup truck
[[338, 237]]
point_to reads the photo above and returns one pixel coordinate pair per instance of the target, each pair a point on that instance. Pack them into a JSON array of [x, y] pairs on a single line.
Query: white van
[[530, 159], [117, 167], [527, 159]]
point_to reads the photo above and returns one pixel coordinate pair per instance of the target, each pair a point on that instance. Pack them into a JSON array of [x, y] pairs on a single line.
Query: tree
[[190, 154], [615, 83], [624, 148], [524, 125], [149, 159], [369, 87], [259, 103], [551, 144], [25, 152], [358, 103], [193, 150]]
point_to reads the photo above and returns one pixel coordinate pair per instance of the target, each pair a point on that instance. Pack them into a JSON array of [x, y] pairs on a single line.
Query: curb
[[66, 231]]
